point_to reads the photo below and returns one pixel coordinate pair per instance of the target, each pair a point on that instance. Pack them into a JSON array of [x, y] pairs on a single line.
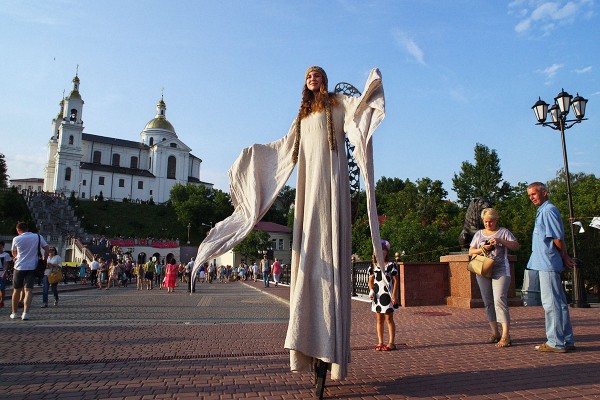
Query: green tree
[[253, 244], [280, 210], [389, 185], [484, 179], [416, 218], [3, 173], [198, 205], [585, 192]]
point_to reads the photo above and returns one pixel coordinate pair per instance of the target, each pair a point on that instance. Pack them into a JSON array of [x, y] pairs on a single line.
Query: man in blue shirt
[[549, 257]]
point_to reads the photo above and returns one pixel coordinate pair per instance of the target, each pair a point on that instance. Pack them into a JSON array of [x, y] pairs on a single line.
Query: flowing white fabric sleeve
[[256, 178], [360, 126]]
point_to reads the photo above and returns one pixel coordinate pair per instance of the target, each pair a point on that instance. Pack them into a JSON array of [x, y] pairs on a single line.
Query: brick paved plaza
[[226, 342]]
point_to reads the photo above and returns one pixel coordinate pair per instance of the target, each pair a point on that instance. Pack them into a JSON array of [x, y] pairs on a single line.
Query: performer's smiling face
[[314, 80]]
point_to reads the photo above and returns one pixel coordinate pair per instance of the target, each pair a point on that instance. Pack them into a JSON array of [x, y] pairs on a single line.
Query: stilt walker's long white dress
[[320, 292]]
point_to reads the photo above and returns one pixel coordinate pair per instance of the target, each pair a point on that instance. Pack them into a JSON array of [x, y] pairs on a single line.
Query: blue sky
[[455, 73]]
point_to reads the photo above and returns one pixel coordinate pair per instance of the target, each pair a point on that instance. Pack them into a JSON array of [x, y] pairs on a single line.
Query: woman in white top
[[54, 261], [496, 241]]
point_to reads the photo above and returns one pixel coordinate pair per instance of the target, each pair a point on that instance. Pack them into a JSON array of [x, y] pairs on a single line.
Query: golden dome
[[74, 95], [160, 123]]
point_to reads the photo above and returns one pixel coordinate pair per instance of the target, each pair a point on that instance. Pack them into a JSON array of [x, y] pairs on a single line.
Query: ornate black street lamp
[[558, 113]]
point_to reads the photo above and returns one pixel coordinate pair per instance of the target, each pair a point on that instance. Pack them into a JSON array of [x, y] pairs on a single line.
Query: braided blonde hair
[[312, 102]]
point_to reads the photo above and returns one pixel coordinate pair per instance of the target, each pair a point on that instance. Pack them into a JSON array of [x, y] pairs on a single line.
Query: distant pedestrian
[[102, 272], [139, 274], [383, 292], [159, 270], [202, 273], [128, 269], [25, 250], [255, 271], [188, 273], [5, 258], [212, 271], [83, 272], [94, 267], [113, 274], [54, 261], [276, 271], [265, 268], [150, 269], [242, 272], [171, 275], [549, 257]]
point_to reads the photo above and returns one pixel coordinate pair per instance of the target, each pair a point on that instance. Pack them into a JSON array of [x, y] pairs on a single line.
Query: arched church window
[[73, 116], [116, 160], [171, 167], [97, 157], [151, 141], [134, 162], [68, 174], [174, 145], [71, 139]]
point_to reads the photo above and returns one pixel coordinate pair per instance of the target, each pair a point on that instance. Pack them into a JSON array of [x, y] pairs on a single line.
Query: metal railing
[[360, 277]]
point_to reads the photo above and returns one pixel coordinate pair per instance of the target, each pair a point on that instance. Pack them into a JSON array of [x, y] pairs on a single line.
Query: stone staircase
[[55, 218]]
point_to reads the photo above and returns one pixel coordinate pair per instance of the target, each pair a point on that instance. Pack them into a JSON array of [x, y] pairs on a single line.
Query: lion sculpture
[[473, 221]]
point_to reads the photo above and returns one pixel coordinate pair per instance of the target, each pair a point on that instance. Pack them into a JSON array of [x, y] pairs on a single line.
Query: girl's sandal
[[391, 347], [379, 347], [504, 342]]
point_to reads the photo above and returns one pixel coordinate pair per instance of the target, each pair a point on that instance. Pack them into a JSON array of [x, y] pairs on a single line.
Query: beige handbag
[[481, 264], [55, 275]]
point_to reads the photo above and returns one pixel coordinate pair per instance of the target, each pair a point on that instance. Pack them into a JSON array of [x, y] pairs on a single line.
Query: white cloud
[[410, 46], [546, 16], [584, 70], [550, 72]]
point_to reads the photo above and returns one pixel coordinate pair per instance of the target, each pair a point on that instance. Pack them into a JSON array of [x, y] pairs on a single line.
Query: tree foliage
[[417, 220], [281, 209], [3, 172], [483, 179], [253, 244], [199, 205]]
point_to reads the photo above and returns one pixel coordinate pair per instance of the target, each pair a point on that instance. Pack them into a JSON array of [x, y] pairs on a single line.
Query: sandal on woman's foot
[[494, 339], [391, 347], [504, 342], [379, 347]]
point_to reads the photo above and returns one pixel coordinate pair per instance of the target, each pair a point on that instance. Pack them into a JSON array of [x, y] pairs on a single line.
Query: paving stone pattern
[[226, 342]]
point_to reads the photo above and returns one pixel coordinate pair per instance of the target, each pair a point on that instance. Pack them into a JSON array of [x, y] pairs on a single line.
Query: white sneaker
[[13, 316], [25, 316]]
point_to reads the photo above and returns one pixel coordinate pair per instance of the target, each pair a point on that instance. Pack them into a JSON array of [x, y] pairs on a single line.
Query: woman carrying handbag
[[54, 261], [495, 241]]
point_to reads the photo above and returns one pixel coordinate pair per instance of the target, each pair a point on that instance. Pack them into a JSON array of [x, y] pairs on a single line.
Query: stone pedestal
[[463, 288], [423, 284]]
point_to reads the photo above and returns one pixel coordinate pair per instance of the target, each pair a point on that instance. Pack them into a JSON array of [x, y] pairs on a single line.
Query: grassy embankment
[[114, 219], [108, 218]]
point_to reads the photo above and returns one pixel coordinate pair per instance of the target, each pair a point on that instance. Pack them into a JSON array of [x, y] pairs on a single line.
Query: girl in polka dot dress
[[384, 296]]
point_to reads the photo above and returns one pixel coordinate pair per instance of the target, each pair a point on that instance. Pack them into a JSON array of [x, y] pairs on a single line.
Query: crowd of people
[[122, 271]]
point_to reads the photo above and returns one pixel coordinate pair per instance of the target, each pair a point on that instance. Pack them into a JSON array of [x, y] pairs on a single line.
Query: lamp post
[[189, 226], [558, 113]]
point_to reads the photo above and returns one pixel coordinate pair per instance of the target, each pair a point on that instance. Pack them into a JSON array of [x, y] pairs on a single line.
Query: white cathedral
[[87, 164]]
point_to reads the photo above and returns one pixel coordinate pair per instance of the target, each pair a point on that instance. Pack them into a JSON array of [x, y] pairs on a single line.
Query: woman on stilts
[[318, 335]]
